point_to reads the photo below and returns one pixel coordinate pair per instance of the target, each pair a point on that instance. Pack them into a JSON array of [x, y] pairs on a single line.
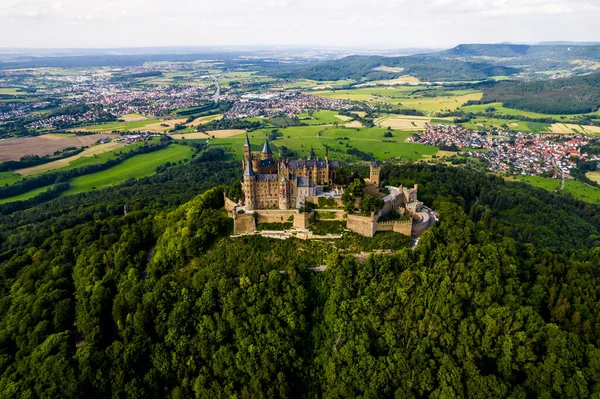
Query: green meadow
[[25, 196], [8, 178], [577, 189], [339, 140], [500, 109], [136, 167], [121, 126], [320, 118]]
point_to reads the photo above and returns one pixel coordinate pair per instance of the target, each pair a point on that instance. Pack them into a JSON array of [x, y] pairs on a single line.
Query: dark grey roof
[[266, 148], [266, 177], [310, 163], [247, 142], [312, 155], [302, 181], [248, 171], [266, 162], [376, 164]]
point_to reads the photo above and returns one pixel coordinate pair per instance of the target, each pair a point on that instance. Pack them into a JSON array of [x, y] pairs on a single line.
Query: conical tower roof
[[247, 142], [248, 171], [266, 149]]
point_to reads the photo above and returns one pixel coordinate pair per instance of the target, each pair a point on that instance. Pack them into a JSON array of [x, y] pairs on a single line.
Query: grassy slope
[[8, 178], [302, 138], [136, 167], [577, 189]]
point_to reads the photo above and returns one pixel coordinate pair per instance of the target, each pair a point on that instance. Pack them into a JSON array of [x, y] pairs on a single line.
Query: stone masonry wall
[[274, 216], [243, 223], [303, 220], [363, 225]]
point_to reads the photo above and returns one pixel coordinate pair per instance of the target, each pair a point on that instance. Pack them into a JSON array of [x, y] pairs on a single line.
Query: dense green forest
[[358, 67], [576, 95], [499, 299]]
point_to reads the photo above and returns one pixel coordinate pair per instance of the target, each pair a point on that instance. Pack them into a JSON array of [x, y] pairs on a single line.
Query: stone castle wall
[[273, 216], [338, 216], [229, 205], [243, 223], [363, 225], [303, 220]]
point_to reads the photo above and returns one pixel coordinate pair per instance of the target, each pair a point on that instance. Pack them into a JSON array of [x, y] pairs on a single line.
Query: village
[[547, 155]]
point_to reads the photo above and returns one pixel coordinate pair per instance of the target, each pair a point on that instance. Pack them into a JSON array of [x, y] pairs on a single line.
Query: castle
[[277, 190], [271, 183]]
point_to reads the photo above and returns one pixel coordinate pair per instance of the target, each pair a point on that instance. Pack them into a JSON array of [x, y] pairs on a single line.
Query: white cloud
[[396, 23]]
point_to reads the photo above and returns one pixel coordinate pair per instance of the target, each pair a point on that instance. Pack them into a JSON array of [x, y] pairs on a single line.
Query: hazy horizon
[[385, 24]]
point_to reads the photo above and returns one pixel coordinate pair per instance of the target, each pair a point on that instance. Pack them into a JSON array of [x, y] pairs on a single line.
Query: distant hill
[[577, 58], [425, 68], [579, 94]]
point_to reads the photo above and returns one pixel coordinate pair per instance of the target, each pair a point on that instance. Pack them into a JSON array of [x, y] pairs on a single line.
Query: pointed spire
[[247, 142], [266, 149], [312, 154], [248, 172]]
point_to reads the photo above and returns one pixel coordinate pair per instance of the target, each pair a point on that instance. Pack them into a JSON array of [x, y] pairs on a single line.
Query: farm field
[[515, 125], [369, 94], [569, 128], [70, 163], [402, 80], [10, 91], [133, 117], [204, 120], [577, 189], [8, 178], [14, 149], [190, 136], [430, 105], [318, 85], [117, 126], [25, 196], [321, 118], [500, 109], [136, 167], [403, 122], [339, 140]]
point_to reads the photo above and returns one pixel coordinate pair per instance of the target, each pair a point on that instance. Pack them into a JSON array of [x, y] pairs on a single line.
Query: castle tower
[[249, 186], [284, 194], [266, 151], [312, 155], [247, 152], [327, 175], [375, 169]]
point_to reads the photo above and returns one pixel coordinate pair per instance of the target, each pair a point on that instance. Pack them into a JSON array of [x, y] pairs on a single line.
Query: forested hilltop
[[499, 299], [576, 95]]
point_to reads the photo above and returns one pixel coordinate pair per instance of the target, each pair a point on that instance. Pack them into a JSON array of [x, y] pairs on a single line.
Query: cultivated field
[[159, 127], [14, 149], [220, 134], [403, 122], [133, 117], [139, 166], [340, 141], [116, 126], [190, 136], [568, 128], [63, 163], [402, 80], [204, 120]]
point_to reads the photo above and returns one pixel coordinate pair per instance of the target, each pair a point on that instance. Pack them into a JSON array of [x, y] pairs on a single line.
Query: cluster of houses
[[513, 152], [277, 103]]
